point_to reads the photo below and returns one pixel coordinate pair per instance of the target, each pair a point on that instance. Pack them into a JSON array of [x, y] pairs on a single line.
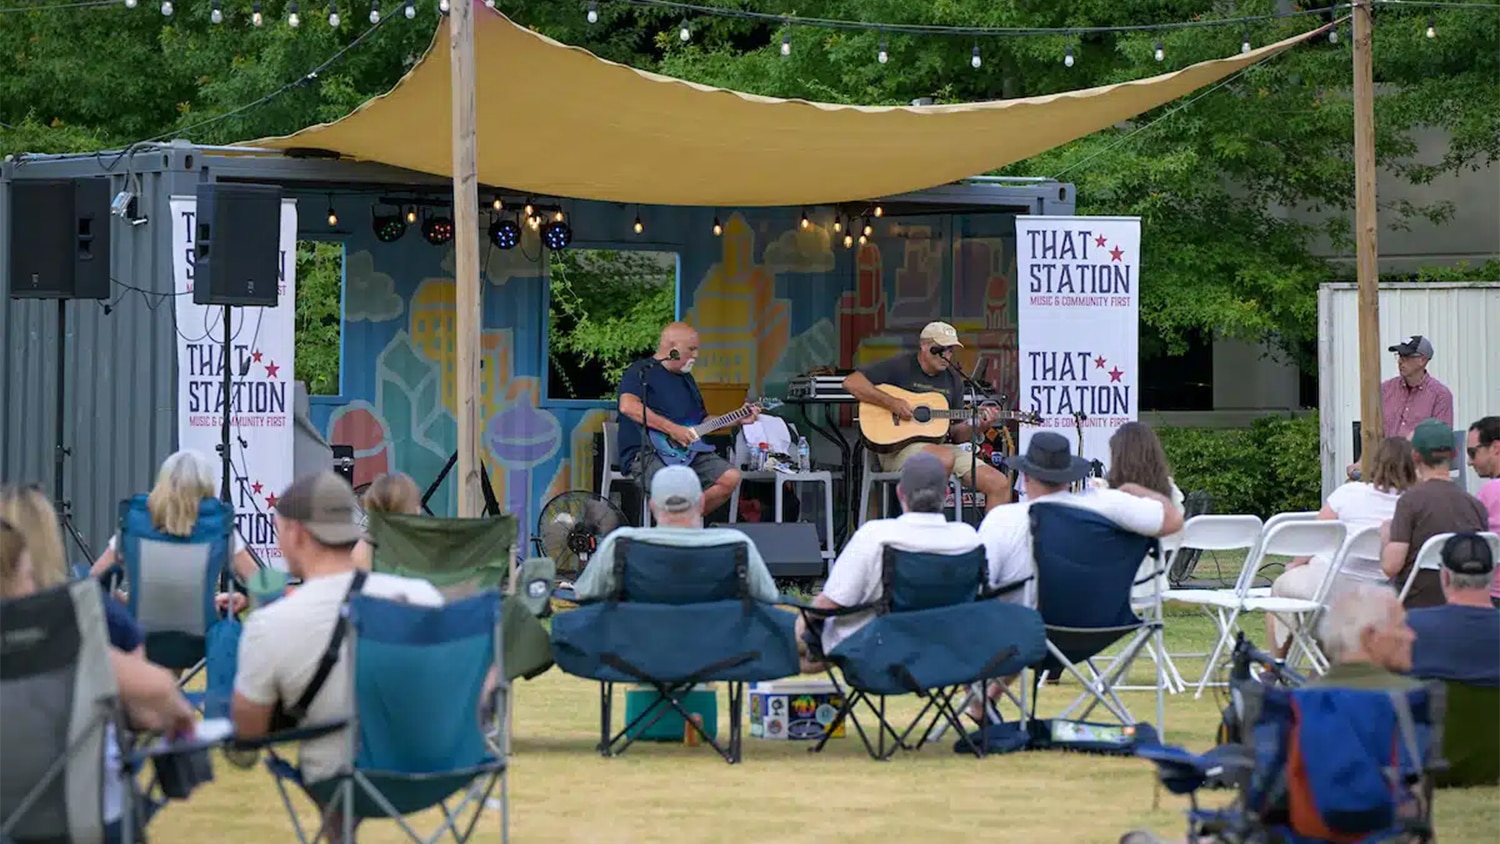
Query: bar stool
[[779, 480], [871, 474], [612, 473]]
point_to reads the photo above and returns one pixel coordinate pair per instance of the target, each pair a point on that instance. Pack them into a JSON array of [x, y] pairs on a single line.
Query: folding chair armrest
[[821, 613], [304, 733], [1150, 577], [1005, 588]]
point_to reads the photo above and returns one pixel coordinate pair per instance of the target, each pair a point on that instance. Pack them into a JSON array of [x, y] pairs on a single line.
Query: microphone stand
[[640, 456], [979, 391]]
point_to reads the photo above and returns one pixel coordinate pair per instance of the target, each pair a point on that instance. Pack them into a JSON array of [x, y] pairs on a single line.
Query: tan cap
[[941, 333], [325, 505]]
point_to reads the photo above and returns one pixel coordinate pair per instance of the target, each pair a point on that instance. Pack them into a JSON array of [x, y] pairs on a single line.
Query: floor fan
[[570, 527]]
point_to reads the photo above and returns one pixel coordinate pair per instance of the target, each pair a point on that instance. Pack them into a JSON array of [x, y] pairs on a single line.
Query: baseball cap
[[1413, 345], [323, 503], [1431, 436], [1468, 553], [940, 333], [922, 472], [675, 489]]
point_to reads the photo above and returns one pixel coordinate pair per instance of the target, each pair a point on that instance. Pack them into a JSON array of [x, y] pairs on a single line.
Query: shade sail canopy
[[559, 121]]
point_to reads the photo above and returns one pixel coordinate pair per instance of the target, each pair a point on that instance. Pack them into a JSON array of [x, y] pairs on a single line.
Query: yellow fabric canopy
[[559, 121]]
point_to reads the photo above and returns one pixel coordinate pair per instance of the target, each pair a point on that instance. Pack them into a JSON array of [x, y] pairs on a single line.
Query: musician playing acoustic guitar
[[930, 371], [675, 407]]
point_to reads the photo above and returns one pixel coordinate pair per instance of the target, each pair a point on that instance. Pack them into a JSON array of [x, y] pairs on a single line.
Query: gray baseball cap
[[1413, 345], [922, 471], [323, 503], [675, 489]]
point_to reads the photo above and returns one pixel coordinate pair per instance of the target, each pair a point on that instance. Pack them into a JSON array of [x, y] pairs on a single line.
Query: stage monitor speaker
[[790, 549], [237, 245], [59, 239]]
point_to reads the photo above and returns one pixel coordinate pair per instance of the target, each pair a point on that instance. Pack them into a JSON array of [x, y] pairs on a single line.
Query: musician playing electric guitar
[[666, 381], [930, 371]]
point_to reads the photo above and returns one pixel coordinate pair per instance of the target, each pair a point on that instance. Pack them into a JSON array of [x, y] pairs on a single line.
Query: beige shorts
[[894, 460]]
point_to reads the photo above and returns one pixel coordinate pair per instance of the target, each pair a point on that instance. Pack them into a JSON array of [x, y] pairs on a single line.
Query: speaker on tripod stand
[[59, 235]]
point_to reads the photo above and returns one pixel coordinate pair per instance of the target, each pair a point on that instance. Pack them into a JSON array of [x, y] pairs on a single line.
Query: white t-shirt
[[856, 575], [1006, 531], [1360, 505], [283, 642]]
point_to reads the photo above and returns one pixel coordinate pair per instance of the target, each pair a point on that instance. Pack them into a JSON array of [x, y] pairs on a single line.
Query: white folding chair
[[1146, 599], [779, 480], [1277, 519], [612, 473], [871, 474], [1290, 538], [1430, 556]]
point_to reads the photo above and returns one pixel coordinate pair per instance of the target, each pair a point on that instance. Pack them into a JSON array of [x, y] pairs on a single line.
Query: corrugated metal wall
[[1461, 320], [118, 368]]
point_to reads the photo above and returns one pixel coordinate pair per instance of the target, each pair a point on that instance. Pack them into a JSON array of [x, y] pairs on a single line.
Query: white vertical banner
[[261, 355], [1078, 326]]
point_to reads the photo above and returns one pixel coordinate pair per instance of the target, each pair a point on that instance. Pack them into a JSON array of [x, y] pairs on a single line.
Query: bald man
[[660, 391]]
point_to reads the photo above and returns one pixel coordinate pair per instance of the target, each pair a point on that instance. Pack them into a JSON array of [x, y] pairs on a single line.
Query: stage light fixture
[[438, 230], [557, 236], [505, 234], [388, 227]]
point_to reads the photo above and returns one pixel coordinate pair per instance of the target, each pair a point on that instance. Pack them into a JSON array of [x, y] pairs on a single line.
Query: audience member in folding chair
[[1086, 569], [932, 631]]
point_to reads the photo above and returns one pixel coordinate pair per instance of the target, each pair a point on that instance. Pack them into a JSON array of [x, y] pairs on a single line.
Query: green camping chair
[[463, 556]]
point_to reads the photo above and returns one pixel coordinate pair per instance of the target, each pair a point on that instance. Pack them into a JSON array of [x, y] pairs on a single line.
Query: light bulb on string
[[166, 8], [879, 210], [534, 222], [974, 58], [557, 216], [863, 239], [333, 216], [1432, 27], [867, 231], [375, 12], [444, 7], [1333, 35], [256, 18], [529, 209], [838, 224], [333, 15], [884, 55], [411, 214], [786, 43], [685, 33], [1068, 60], [1245, 42], [638, 226], [411, 9], [805, 223], [593, 17], [489, 3], [498, 205], [1160, 54], [216, 14], [293, 19], [848, 241], [718, 227], [131, 4]]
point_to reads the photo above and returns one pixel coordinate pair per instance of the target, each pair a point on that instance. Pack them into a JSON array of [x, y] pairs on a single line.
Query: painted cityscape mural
[[770, 299]]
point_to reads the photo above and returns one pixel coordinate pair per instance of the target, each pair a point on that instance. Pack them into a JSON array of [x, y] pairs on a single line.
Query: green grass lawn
[[563, 791]]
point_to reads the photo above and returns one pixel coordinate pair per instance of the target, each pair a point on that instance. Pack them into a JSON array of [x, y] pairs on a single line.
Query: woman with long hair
[[185, 479], [31, 515], [1358, 504], [1136, 457], [395, 493]]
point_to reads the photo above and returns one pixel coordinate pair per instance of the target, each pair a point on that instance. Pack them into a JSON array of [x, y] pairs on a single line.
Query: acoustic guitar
[[885, 431], [674, 453]]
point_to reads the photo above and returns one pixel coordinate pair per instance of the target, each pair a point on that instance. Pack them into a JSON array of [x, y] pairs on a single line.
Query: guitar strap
[[697, 396]]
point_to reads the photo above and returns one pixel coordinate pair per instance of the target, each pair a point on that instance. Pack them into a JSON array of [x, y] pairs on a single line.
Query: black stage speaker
[[59, 239], [237, 245], [790, 549]]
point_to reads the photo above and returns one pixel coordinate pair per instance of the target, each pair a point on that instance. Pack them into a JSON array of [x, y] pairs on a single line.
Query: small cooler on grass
[[702, 700], [795, 710]]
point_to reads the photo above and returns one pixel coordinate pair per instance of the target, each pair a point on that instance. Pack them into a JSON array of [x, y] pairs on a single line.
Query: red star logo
[[271, 500], [1099, 362], [1114, 374], [255, 355], [256, 487], [1115, 253], [1100, 241], [271, 369]]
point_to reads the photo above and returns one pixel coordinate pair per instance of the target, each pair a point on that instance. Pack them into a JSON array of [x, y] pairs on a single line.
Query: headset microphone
[[674, 355], [938, 351]]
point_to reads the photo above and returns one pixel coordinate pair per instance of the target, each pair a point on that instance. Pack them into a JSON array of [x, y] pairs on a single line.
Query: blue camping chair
[[172, 582], [1086, 567], [678, 617], [416, 735], [1362, 767], [935, 631]]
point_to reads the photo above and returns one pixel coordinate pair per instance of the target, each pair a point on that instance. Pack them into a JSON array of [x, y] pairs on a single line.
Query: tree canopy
[[1210, 175]]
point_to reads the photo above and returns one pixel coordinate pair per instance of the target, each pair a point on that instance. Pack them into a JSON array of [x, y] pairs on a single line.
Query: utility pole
[[465, 255], [1365, 230]]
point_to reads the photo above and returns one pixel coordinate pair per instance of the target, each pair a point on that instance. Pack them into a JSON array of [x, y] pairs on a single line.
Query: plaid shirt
[[1405, 407]]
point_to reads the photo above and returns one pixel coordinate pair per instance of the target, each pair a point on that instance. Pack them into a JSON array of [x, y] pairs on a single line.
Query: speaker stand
[[225, 462], [60, 453]]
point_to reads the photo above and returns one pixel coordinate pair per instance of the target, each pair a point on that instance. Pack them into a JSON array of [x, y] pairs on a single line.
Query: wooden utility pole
[[1365, 223], [465, 255]]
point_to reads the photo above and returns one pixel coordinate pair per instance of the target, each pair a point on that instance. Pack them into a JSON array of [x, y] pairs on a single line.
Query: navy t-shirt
[[124, 632], [905, 372], [1456, 643], [671, 394]]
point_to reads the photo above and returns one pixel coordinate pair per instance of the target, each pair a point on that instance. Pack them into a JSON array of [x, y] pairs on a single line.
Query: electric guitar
[[674, 453], [931, 416]]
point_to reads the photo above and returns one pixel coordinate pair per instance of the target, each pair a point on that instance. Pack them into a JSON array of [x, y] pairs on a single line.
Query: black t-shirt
[[671, 394], [903, 371]]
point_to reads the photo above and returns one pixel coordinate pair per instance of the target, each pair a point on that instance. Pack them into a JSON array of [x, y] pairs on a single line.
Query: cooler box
[[701, 700], [795, 710]]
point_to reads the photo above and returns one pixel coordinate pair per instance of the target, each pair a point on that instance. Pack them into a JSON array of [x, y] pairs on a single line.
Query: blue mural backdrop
[[770, 299]]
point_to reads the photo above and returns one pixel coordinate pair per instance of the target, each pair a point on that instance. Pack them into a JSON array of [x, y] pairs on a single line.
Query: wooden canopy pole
[[465, 255], [1365, 223]]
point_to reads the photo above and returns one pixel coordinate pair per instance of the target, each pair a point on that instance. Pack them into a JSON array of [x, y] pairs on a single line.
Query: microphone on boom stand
[[980, 391], [640, 455]]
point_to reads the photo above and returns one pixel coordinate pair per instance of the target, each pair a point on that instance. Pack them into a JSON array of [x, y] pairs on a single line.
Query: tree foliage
[[1213, 176], [607, 307], [320, 275]]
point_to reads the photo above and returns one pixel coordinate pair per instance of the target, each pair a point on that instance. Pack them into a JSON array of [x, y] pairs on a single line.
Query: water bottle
[[761, 456], [804, 456]]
